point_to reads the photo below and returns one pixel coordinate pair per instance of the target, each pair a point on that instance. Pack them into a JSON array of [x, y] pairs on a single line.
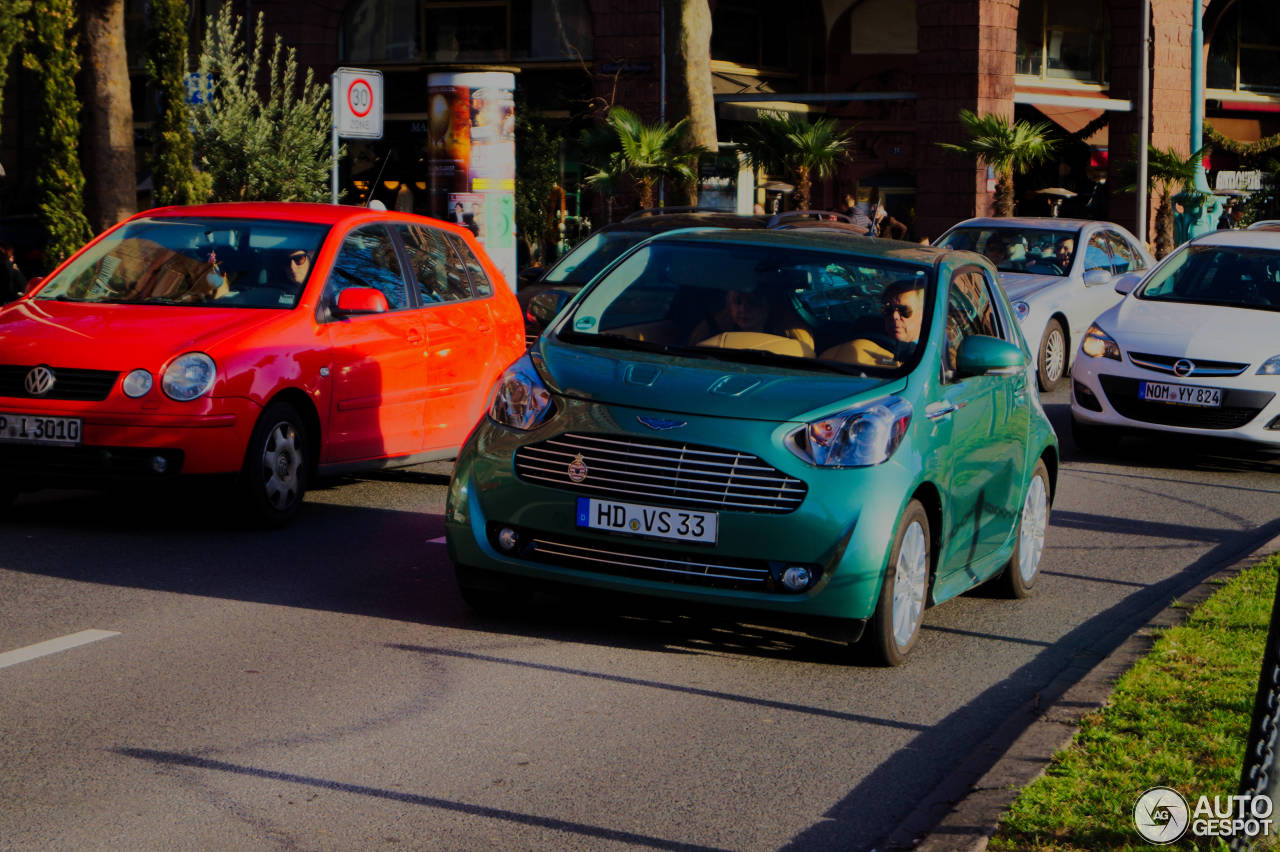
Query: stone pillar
[[966, 61]]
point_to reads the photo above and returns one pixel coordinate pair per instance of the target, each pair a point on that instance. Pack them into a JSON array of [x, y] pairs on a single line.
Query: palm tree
[[647, 153], [1009, 148], [1166, 170], [794, 146]]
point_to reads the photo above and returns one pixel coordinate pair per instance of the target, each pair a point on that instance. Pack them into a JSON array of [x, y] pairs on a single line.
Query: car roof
[[823, 240], [289, 211], [1260, 238], [659, 222], [1052, 222]]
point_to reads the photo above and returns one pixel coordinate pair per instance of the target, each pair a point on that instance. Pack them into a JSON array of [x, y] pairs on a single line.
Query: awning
[[753, 110]]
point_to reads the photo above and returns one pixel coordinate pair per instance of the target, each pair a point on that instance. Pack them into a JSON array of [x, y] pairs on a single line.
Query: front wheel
[[274, 477], [895, 627], [1052, 363], [1024, 565]]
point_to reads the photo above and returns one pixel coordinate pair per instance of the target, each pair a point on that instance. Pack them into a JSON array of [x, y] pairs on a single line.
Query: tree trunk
[[111, 186], [688, 37], [803, 187], [1004, 195], [645, 186], [1164, 226]]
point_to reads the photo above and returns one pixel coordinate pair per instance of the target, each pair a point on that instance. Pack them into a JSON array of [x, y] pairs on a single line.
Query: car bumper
[[1104, 392], [842, 530], [120, 443]]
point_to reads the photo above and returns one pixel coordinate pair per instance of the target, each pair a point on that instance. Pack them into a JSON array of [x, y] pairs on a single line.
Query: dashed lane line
[[53, 646]]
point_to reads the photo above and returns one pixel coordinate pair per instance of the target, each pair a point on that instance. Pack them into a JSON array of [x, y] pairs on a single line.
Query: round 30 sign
[[357, 103]]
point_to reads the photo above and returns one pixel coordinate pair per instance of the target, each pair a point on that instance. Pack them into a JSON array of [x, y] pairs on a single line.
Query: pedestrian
[[12, 282]]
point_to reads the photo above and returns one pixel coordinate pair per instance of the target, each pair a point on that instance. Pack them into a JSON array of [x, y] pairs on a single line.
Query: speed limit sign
[[357, 103]]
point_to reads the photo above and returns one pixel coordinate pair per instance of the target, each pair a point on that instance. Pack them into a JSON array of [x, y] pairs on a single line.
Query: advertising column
[[472, 155]]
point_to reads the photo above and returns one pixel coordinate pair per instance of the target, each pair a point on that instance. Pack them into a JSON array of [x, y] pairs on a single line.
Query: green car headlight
[[859, 437], [521, 401]]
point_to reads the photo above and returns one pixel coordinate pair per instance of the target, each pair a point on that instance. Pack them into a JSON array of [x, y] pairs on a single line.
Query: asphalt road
[[325, 688]]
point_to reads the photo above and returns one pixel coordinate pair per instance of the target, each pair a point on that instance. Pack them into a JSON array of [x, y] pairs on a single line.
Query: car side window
[[1097, 255], [1124, 258], [368, 259], [483, 286], [970, 311], [440, 275]]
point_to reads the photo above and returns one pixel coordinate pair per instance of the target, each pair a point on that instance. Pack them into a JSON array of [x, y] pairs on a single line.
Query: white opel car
[[1194, 349], [1059, 274]]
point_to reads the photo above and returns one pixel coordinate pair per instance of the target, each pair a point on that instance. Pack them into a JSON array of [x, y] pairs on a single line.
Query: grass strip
[[1179, 718]]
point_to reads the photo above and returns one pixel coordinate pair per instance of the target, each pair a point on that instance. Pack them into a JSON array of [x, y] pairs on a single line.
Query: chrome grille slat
[[1203, 367], [660, 471], [624, 560], [666, 565]]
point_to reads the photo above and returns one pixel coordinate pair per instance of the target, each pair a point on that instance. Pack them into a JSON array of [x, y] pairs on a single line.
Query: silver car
[[1059, 274]]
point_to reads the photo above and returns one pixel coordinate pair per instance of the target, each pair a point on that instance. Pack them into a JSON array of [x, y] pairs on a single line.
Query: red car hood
[[115, 337]]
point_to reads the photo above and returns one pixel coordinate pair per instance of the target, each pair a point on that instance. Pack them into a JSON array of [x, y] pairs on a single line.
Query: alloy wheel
[[281, 461], [1035, 517], [910, 576]]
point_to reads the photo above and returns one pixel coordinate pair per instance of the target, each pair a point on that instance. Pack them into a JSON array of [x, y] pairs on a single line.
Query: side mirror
[[361, 300], [1094, 277], [544, 307], [1125, 283], [32, 284], [980, 355]]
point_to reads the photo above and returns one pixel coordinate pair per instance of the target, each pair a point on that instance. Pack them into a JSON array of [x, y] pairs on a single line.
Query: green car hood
[[698, 386]]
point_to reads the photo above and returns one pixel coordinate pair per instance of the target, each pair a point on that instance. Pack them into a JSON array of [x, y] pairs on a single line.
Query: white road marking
[[53, 646], [440, 540]]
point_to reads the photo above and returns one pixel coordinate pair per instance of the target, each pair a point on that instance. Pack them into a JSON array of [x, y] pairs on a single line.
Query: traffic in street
[[325, 686]]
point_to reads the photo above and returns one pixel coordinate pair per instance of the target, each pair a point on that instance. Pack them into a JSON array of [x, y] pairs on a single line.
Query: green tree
[[52, 58], [792, 145], [1007, 147], [537, 162], [648, 153], [174, 177], [273, 148], [1168, 170], [11, 32]]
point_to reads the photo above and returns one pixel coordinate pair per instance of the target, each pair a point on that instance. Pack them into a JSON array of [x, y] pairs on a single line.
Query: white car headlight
[[521, 401], [1098, 344], [189, 376], [859, 437], [1270, 367]]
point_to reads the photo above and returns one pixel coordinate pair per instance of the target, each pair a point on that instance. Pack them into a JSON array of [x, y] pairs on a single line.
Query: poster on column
[[472, 157]]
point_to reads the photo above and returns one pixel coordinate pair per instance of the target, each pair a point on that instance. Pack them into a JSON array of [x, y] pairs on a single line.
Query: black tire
[[1092, 439], [1020, 575], [488, 594], [893, 631], [1051, 362], [273, 480]]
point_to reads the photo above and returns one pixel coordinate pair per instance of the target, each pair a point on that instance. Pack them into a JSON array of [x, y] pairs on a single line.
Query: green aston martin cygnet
[[834, 428]]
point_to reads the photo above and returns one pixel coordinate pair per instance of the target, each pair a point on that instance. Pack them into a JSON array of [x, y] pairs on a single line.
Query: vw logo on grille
[[1183, 367], [39, 380], [577, 468]]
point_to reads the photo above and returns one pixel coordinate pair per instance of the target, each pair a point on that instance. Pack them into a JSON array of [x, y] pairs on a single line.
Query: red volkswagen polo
[[268, 341]]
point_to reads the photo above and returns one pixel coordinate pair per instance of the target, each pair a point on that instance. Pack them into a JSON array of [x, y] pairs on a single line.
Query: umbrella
[[1056, 190], [778, 186]]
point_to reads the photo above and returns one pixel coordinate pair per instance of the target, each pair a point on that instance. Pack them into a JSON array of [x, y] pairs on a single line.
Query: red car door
[[460, 339], [379, 361]]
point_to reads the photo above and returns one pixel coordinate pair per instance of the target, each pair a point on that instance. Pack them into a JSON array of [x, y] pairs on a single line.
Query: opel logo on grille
[[1183, 367], [577, 468], [39, 380]]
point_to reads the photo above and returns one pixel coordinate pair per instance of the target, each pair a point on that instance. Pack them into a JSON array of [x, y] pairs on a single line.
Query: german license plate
[[1180, 394], [651, 521], [38, 429]]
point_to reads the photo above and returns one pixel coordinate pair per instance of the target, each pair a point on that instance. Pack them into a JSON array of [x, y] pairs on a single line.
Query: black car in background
[[542, 295]]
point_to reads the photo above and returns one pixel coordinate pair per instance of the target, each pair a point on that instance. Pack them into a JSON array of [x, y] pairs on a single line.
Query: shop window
[[1063, 40], [755, 33], [1244, 48]]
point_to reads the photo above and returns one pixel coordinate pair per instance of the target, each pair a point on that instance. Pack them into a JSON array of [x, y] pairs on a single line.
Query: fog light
[[796, 577], [1085, 397], [508, 538], [136, 384], [159, 464]]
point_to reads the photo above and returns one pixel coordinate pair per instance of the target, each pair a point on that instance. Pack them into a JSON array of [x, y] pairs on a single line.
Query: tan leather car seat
[[861, 352], [758, 340]]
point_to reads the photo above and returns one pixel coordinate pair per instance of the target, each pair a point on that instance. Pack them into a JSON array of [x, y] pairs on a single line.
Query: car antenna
[[368, 201]]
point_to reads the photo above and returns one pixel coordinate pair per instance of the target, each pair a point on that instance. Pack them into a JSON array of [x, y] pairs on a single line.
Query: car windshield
[[246, 263], [796, 307], [1218, 275], [1039, 251], [591, 255]]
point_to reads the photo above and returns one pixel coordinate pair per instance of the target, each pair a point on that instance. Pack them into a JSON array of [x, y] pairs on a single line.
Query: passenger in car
[[903, 315], [760, 312]]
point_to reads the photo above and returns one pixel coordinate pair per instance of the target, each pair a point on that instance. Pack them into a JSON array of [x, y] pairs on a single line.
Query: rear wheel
[[1024, 565], [274, 477], [1052, 365], [895, 627]]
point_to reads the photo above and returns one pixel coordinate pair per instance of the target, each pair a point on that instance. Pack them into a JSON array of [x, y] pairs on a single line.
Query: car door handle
[[939, 410], [413, 336], [483, 327]]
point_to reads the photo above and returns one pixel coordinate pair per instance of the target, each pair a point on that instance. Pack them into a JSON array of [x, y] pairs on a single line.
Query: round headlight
[[189, 376], [137, 384]]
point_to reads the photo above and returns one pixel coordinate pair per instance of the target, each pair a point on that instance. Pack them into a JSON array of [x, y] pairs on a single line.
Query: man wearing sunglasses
[[299, 267], [902, 307]]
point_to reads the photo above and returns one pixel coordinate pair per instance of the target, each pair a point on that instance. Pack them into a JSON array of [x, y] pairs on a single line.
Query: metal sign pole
[[333, 137]]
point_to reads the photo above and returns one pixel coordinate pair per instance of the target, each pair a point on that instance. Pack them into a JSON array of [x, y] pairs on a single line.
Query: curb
[[970, 823]]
